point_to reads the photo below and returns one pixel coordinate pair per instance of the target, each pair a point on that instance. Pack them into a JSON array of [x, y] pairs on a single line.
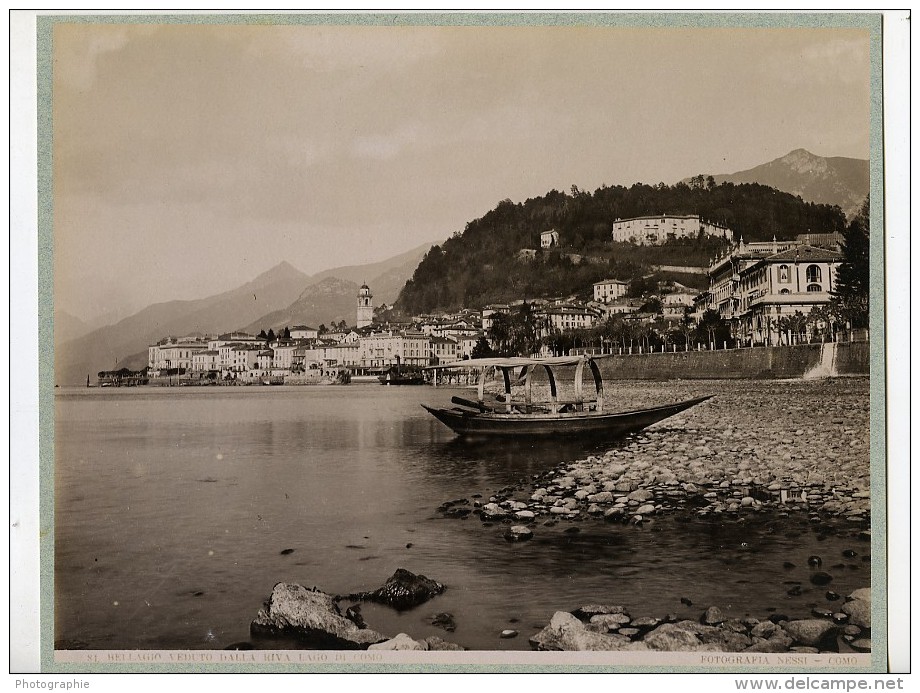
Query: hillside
[[67, 327], [385, 278], [323, 302], [482, 264], [100, 349], [833, 180]]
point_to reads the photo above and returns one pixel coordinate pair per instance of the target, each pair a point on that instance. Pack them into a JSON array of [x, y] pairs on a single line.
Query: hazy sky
[[188, 159]]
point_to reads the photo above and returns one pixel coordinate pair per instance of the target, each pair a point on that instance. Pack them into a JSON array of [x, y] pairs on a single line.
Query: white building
[[384, 349], [569, 317], [609, 290], [549, 239], [174, 353], [444, 350], [656, 230], [304, 332], [205, 361], [757, 285]]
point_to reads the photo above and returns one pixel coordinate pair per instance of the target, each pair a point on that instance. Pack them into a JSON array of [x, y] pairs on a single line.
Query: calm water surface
[[173, 507]]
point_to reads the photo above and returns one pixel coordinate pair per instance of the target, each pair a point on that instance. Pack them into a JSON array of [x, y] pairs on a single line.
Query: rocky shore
[[316, 620], [739, 454]]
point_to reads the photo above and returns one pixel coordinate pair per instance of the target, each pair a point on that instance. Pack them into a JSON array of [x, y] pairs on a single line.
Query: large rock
[[712, 616], [404, 590], [568, 634], [586, 612], [312, 617], [435, 643], [688, 636], [858, 609], [518, 533], [810, 631]]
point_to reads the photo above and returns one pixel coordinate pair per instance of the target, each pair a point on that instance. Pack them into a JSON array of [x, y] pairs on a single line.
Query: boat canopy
[[512, 362], [527, 366]]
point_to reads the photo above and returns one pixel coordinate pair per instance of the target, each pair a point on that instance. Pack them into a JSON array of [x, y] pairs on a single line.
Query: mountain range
[[281, 296], [834, 180]]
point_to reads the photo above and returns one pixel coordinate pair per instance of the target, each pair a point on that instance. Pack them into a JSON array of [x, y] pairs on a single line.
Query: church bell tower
[[365, 306]]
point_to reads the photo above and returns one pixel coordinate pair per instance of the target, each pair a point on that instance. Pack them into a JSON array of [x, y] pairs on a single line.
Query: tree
[[270, 337], [322, 329], [500, 333], [713, 329], [286, 334], [850, 296], [482, 349], [262, 335], [641, 286]]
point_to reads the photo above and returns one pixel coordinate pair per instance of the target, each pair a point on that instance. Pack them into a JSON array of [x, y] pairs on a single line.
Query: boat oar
[[469, 403]]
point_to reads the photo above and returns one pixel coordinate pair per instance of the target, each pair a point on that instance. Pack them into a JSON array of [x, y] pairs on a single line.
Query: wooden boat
[[580, 417]]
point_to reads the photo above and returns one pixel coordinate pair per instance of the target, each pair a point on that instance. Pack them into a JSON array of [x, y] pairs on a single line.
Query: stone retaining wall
[[757, 362]]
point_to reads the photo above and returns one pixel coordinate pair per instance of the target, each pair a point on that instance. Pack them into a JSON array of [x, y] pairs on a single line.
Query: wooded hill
[[483, 263]]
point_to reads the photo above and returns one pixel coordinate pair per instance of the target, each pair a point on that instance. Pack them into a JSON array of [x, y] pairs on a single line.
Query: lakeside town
[[760, 294]]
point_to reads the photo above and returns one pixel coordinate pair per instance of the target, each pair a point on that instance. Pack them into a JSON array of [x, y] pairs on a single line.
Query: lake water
[[173, 506]]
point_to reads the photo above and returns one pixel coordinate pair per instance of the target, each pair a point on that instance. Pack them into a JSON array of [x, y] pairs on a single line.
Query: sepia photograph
[[485, 340]]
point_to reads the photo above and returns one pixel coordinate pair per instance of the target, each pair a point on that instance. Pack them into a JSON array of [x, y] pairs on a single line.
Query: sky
[[188, 159]]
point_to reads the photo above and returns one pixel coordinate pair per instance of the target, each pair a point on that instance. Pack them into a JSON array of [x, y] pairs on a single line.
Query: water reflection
[[500, 461]]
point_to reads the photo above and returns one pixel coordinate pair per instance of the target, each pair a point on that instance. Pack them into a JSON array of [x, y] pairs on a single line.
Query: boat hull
[[611, 425]]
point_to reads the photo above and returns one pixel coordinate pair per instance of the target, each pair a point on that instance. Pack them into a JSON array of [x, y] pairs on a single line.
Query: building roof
[[661, 216], [805, 253], [303, 327], [611, 281]]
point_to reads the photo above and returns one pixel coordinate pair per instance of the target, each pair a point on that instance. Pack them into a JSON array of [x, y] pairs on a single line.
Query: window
[[784, 291], [812, 288], [813, 274], [784, 274]]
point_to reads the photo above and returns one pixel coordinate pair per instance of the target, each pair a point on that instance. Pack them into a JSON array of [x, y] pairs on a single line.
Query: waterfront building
[[568, 316], [264, 360], [244, 358], [757, 285], [779, 286], [385, 349], [365, 311], [465, 345], [609, 290], [444, 350], [724, 272], [656, 230], [172, 353], [206, 361], [225, 356], [549, 239]]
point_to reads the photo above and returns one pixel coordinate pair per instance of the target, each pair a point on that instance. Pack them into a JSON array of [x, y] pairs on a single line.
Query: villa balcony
[[791, 299]]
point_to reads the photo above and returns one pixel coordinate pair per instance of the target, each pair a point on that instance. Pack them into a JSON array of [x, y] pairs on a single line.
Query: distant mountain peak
[[838, 180], [283, 270]]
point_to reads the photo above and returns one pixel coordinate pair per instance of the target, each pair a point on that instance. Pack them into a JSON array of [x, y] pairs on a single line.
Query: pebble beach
[[797, 449]]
